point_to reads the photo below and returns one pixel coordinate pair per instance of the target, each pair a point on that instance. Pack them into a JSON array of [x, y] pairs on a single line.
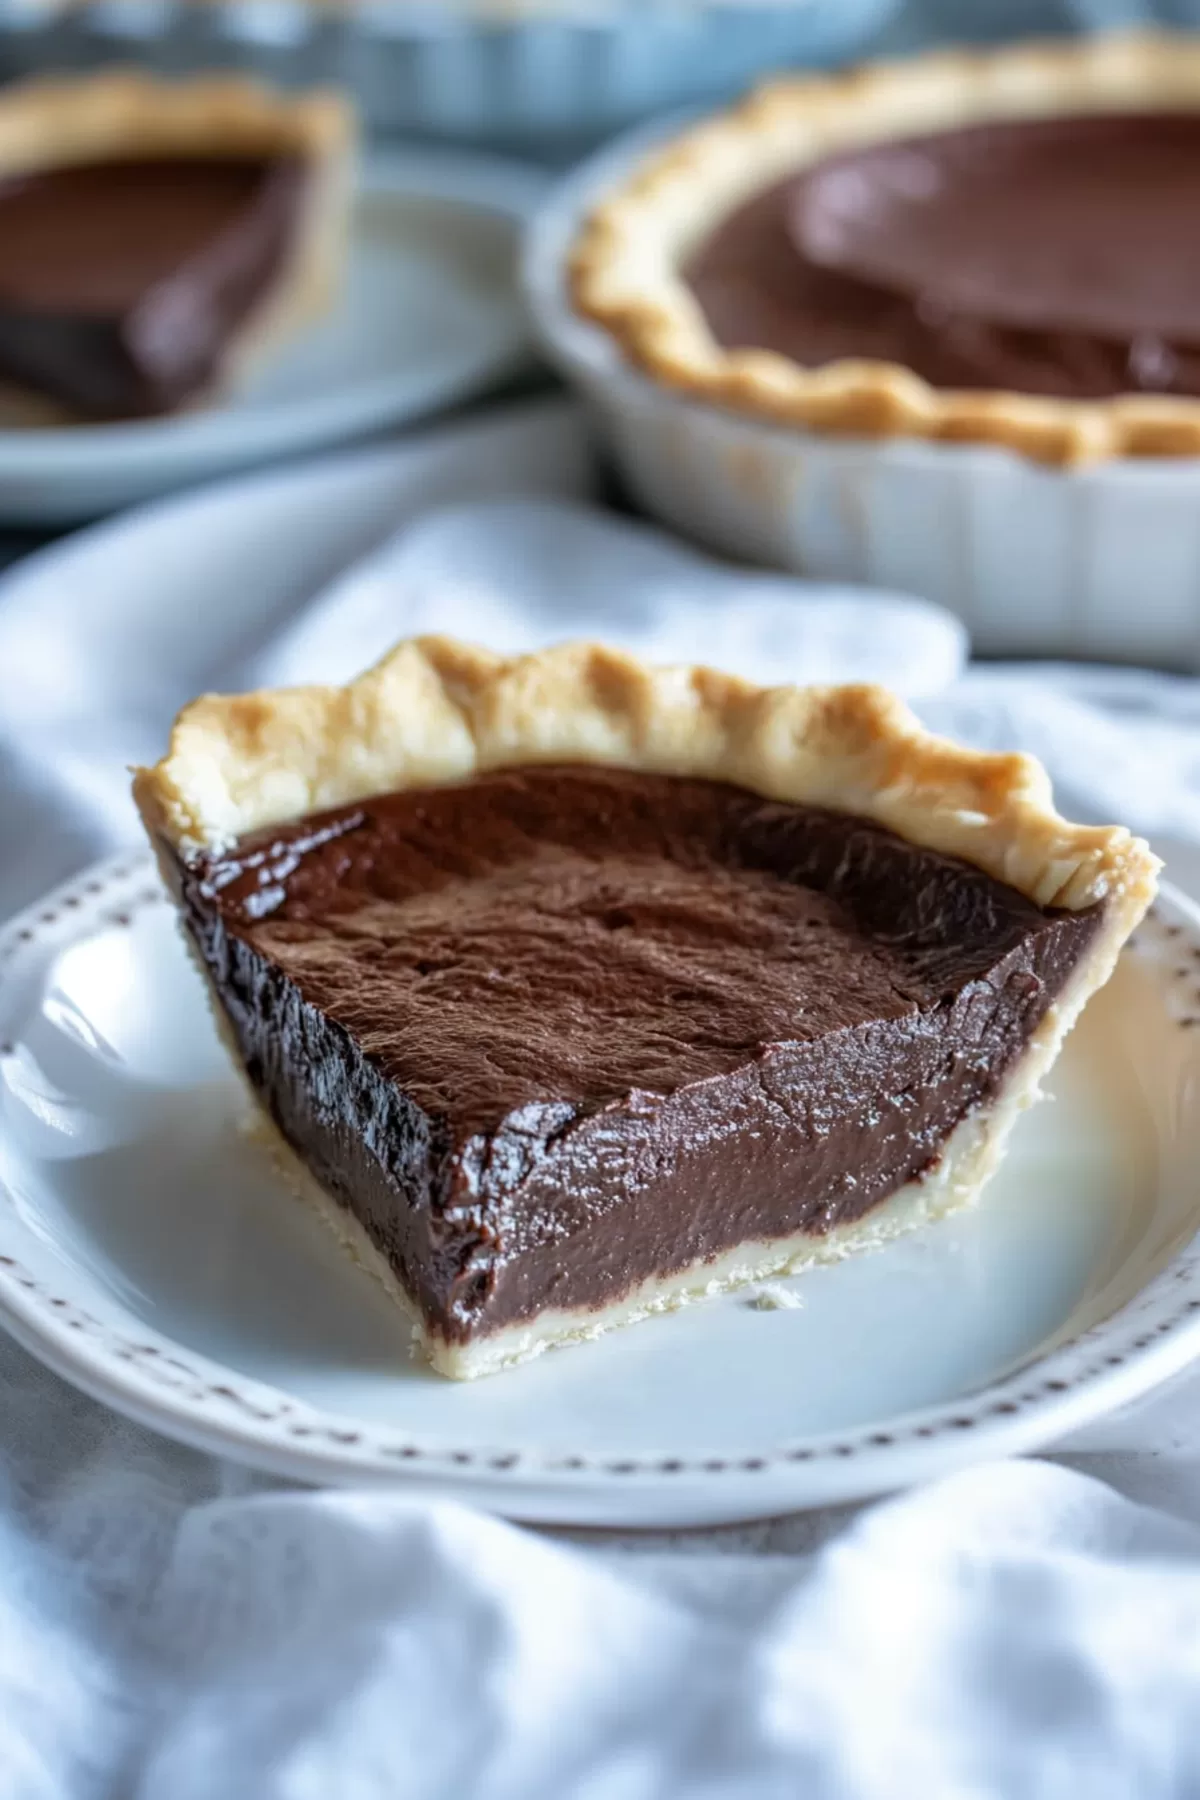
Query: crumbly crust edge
[[436, 711], [623, 268]]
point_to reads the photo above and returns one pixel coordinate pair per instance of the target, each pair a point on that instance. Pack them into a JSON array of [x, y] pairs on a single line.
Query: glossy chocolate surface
[[122, 282], [1043, 256], [558, 1030]]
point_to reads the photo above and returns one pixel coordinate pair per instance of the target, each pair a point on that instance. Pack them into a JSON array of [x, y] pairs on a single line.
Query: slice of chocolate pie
[[155, 236], [584, 988]]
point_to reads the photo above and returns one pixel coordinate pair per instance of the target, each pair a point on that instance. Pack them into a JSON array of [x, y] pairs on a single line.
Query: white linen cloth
[[172, 1627]]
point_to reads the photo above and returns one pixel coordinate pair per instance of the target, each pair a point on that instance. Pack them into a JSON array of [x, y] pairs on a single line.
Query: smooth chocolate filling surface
[[121, 283], [1045, 256], [558, 1030]]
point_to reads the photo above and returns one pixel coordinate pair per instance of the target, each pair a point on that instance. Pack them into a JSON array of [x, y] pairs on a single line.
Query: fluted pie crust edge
[[435, 711], [624, 266]]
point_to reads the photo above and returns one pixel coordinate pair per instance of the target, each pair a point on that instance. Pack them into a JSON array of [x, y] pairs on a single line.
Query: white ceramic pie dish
[[1093, 562]]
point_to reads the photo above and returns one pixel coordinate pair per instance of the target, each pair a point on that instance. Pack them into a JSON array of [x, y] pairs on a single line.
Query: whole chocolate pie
[[156, 235], [995, 247], [584, 989]]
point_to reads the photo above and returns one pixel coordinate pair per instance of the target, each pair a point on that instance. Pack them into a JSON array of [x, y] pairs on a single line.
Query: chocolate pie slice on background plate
[[158, 236], [577, 989], [417, 261]]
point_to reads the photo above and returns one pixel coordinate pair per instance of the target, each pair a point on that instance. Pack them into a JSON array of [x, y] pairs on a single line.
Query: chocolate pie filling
[[1043, 256], [121, 283], [559, 1030]]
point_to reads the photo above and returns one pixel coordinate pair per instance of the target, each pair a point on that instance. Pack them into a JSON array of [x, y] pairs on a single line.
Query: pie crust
[[624, 266], [435, 711], [125, 114]]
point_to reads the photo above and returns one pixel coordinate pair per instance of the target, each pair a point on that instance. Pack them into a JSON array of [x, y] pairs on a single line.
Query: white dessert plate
[[429, 314], [149, 1253]]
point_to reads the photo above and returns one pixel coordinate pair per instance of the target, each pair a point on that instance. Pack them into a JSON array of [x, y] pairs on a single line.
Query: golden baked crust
[[434, 711], [125, 114], [624, 266]]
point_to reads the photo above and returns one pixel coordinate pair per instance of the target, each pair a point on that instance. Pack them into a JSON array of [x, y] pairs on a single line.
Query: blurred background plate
[[429, 316], [550, 81]]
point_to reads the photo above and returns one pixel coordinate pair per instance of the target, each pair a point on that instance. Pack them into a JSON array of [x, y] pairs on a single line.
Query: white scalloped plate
[[148, 1254]]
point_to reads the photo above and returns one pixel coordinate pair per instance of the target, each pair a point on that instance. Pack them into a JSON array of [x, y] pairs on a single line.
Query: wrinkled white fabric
[[174, 1628], [516, 574]]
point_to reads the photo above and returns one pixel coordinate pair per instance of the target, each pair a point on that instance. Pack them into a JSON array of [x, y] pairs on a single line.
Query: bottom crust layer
[[917, 1204], [971, 1156]]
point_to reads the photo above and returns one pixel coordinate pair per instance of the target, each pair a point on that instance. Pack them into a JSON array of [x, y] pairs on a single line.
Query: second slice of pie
[[581, 988], [159, 235]]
